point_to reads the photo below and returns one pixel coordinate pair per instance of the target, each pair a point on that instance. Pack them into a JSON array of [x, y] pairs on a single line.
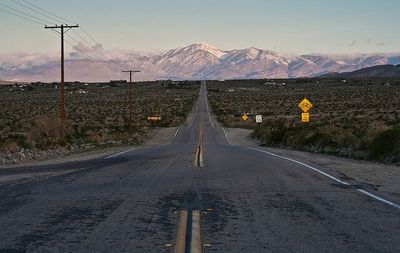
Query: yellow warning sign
[[305, 117], [245, 117], [305, 105]]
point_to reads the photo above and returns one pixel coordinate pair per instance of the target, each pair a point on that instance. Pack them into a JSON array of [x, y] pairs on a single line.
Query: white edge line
[[331, 177], [176, 134], [305, 165], [208, 109], [209, 115], [226, 136], [379, 198], [120, 153]]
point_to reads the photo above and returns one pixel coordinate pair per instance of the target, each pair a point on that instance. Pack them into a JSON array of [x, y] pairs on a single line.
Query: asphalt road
[[249, 202]]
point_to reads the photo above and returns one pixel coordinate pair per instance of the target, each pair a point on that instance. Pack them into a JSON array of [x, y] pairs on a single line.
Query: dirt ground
[[384, 178]]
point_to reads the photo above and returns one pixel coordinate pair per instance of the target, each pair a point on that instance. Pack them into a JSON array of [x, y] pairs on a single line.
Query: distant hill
[[370, 72]]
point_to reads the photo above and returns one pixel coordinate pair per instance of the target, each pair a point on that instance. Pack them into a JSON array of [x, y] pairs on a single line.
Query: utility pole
[[130, 93], [62, 102]]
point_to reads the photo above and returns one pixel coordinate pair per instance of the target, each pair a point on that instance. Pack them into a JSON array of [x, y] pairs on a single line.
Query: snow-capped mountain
[[197, 61]]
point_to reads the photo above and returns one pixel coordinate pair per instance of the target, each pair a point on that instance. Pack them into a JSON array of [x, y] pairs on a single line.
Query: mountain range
[[196, 61]]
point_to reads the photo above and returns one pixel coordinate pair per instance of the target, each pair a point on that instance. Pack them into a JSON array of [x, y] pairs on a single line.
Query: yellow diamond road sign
[[245, 117], [305, 105]]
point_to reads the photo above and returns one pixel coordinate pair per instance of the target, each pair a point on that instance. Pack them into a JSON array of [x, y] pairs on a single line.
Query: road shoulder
[[155, 137], [379, 177]]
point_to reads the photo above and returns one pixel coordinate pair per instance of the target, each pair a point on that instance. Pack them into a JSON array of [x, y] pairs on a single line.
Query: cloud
[[25, 60], [83, 48], [380, 44], [353, 43]]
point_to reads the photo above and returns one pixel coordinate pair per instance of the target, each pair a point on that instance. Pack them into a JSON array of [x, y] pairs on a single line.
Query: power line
[[48, 12], [22, 17], [95, 41], [32, 9], [113, 58], [88, 43], [87, 33], [100, 51], [26, 14], [84, 54], [93, 52]]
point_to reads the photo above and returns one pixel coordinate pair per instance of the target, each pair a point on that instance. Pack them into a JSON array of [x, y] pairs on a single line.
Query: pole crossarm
[[59, 26], [131, 71]]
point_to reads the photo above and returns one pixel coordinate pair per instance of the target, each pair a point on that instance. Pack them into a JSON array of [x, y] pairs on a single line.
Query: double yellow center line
[[199, 155], [188, 235]]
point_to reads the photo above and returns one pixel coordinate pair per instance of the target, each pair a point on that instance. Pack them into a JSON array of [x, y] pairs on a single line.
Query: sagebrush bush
[[48, 131], [316, 138], [386, 144]]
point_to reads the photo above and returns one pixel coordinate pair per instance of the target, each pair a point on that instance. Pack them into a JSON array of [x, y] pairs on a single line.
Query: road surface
[[242, 199]]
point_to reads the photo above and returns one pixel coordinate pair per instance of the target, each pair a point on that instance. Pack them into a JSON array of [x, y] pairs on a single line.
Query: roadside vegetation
[[96, 116], [351, 118]]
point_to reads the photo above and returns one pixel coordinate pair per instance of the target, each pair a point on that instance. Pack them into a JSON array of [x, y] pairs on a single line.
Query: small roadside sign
[[245, 117], [305, 105], [305, 117], [258, 118], [154, 118]]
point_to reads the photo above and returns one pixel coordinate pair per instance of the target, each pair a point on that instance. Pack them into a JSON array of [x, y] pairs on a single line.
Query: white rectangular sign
[[259, 118]]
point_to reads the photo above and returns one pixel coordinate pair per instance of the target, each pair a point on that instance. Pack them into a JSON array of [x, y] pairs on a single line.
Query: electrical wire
[[95, 41], [86, 56], [26, 14], [95, 49], [17, 15], [32, 9], [94, 53], [48, 12], [83, 30]]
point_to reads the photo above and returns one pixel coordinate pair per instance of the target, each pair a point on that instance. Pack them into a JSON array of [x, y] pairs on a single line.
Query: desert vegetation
[[353, 118], [96, 114]]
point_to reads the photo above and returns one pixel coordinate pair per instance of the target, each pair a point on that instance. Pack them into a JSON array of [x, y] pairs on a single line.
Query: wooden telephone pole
[[62, 101], [130, 93]]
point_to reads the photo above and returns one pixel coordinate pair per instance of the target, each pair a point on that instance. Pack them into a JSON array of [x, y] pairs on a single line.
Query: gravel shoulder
[[156, 137], [383, 178]]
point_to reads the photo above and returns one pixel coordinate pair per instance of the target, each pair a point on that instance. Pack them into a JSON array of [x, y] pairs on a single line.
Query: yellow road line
[[195, 244], [180, 242], [199, 158]]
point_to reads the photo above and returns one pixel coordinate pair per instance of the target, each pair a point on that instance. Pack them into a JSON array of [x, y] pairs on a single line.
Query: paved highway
[[200, 193]]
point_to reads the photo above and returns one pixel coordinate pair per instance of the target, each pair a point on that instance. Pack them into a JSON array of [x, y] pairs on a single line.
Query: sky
[[287, 26]]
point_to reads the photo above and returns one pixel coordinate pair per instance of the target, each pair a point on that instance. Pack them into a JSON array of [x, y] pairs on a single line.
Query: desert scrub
[[346, 118], [325, 139], [97, 118], [386, 146]]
